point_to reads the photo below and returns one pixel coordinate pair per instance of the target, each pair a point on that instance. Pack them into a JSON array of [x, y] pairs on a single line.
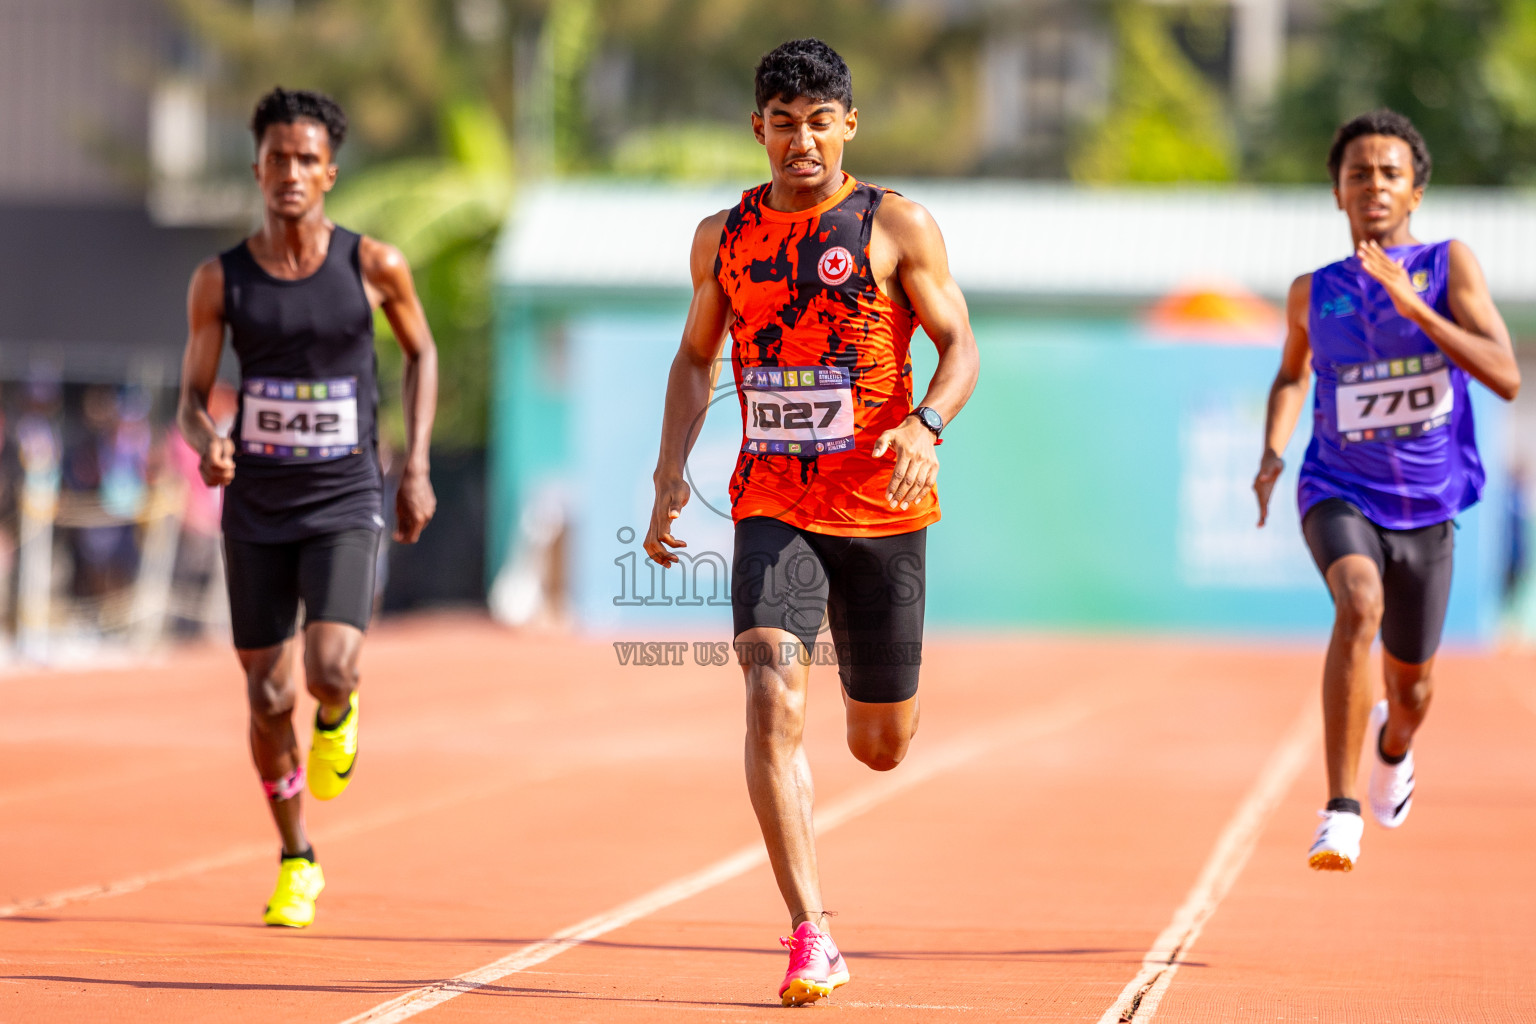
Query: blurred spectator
[[10, 522], [109, 462], [1517, 524], [37, 450], [199, 572]]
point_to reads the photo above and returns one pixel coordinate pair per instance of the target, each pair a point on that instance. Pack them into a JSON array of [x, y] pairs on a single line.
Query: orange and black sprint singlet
[[822, 365]]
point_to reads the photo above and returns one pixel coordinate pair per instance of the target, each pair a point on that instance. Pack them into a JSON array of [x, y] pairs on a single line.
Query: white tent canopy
[[1031, 241]]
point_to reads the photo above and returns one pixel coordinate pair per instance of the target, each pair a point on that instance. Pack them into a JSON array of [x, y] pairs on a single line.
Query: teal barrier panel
[[1103, 479], [1099, 480], [624, 363]]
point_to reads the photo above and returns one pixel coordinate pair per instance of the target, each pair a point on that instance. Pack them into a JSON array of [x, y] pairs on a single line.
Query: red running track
[[1066, 802]]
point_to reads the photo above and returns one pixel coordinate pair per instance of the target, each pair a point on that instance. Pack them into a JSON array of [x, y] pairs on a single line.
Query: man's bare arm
[[200, 372], [1474, 337], [1287, 394], [936, 301], [689, 386], [388, 277], [1481, 342], [923, 270]]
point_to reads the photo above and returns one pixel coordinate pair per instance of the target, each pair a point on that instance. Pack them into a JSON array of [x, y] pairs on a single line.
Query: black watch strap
[[930, 419]]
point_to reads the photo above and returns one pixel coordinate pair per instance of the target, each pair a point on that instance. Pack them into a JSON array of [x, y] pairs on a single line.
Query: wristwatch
[[930, 419]]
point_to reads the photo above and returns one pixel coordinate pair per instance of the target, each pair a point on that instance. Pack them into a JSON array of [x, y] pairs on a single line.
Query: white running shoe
[[1391, 784], [1337, 845]]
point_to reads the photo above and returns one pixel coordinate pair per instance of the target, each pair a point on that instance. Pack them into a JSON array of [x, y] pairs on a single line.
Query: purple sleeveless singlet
[[1392, 429]]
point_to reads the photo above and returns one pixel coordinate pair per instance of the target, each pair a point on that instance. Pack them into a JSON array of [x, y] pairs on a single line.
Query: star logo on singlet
[[835, 266]]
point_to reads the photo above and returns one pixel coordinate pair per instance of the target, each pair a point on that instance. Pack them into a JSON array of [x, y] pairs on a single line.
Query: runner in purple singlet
[[1395, 334]]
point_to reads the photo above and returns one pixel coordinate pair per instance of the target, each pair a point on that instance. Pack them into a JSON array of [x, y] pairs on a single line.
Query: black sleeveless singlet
[[306, 434]]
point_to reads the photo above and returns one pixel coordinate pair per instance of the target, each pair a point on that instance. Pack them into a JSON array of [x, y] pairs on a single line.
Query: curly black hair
[[803, 67], [1381, 122], [284, 106]]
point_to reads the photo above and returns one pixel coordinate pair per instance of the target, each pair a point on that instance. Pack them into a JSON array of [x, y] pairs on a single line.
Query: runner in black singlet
[[303, 499]]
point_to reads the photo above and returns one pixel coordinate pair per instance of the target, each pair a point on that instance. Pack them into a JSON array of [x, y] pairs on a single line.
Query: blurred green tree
[[444, 214], [1463, 70], [395, 65], [689, 66], [568, 42], [1166, 121], [435, 89], [690, 152], [428, 90]]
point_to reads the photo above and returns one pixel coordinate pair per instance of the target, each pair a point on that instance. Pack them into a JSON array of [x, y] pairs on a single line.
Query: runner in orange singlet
[[820, 280], [799, 269]]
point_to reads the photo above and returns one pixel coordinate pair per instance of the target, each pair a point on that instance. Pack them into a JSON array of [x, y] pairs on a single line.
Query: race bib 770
[[1390, 399], [798, 410], [303, 419]]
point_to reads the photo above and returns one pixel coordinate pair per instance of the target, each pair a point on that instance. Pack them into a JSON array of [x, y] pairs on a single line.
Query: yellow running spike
[[333, 755], [292, 905]]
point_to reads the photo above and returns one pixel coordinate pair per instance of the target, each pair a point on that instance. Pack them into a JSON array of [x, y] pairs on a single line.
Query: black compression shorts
[[1415, 570], [332, 573], [869, 589]]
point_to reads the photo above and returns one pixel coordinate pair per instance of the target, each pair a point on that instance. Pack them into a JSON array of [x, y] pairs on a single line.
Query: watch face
[[931, 419]]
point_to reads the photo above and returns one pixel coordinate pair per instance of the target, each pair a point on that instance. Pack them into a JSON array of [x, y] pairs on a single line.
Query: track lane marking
[[969, 747], [81, 784], [247, 852], [134, 883], [1139, 1000]]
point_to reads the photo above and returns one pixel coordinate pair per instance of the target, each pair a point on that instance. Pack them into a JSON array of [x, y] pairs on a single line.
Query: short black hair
[[285, 106], [803, 67], [1381, 122]]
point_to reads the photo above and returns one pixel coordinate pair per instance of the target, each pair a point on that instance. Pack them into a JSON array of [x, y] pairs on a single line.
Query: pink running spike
[[287, 787], [815, 966]]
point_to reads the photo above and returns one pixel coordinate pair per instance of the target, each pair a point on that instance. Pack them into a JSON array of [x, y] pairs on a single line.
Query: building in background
[[1045, 69], [92, 287], [127, 161], [92, 323]]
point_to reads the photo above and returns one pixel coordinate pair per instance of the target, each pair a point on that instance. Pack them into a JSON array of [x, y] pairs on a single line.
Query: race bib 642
[[303, 419]]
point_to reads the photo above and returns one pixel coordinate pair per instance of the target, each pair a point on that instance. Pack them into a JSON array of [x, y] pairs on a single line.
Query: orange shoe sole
[[802, 990], [1328, 860]]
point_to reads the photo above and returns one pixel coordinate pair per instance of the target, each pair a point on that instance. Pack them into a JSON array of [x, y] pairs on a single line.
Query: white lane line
[[248, 852], [70, 787], [1031, 725], [1139, 1000], [852, 1004], [123, 886]]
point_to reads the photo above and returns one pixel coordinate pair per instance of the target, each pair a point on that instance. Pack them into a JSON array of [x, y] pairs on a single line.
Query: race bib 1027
[[798, 410], [301, 419], [1390, 399]]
